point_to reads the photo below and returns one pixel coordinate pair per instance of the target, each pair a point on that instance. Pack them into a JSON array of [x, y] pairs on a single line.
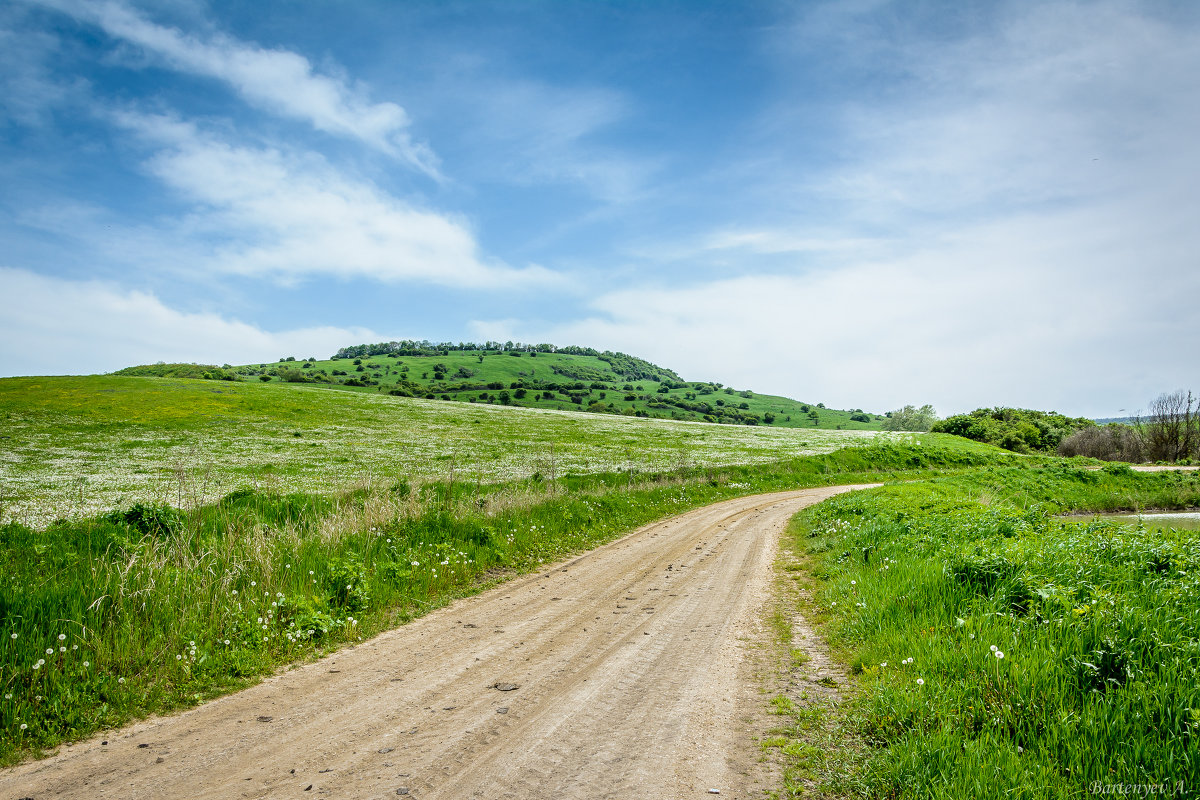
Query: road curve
[[628, 663]]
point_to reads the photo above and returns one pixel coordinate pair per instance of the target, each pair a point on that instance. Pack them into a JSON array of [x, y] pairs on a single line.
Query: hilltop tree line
[[623, 364]]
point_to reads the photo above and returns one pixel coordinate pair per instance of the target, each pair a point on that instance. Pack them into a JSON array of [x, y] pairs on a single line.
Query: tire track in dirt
[[630, 662]]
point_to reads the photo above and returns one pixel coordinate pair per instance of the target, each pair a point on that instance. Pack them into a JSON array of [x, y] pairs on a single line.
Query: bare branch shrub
[[1170, 429], [1105, 442]]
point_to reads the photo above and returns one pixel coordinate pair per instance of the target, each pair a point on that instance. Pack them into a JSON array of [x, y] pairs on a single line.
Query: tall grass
[[149, 608], [1006, 653]]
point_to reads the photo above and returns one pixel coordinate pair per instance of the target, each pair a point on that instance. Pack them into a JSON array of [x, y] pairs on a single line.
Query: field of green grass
[[1002, 651], [149, 608], [561, 381], [78, 446], [166, 540]]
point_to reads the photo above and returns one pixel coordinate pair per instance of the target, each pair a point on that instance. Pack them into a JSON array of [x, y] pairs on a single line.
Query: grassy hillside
[[81, 445], [609, 383]]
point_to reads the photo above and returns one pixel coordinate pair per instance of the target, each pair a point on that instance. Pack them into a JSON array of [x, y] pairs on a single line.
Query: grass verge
[[814, 742], [1002, 652]]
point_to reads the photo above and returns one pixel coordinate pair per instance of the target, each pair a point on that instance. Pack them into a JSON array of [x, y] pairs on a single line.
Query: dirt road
[[629, 665]]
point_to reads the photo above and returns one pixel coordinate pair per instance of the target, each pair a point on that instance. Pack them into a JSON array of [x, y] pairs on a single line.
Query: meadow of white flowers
[[61, 466]]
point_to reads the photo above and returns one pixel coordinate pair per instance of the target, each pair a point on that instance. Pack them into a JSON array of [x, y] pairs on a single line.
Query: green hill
[[532, 376]]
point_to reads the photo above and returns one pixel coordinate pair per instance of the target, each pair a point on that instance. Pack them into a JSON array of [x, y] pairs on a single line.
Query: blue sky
[[864, 204]]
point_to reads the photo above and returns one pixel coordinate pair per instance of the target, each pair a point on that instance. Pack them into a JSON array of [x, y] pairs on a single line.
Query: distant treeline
[[625, 365], [207, 372]]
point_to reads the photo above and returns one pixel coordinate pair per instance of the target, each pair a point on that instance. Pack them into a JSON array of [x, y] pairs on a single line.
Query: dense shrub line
[[1021, 430]]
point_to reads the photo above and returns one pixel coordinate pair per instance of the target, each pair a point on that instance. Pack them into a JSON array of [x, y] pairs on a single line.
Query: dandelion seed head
[[920, 681], [23, 726], [993, 648], [49, 651], [120, 680], [62, 637], [999, 654]]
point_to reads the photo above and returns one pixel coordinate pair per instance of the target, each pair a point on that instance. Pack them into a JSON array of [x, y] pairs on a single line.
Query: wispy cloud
[[989, 317], [57, 325], [278, 81], [27, 88], [269, 213], [1010, 223], [1020, 106], [528, 131]]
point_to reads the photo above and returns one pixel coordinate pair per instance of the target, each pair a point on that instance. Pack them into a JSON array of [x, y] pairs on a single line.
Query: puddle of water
[[1187, 520]]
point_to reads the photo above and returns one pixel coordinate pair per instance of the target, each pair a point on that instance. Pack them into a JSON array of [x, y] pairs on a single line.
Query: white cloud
[[995, 315], [1033, 104], [1011, 223], [286, 216], [53, 326], [278, 81]]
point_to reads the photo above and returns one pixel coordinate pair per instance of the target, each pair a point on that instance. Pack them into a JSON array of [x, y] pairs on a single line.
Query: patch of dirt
[[625, 672]]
